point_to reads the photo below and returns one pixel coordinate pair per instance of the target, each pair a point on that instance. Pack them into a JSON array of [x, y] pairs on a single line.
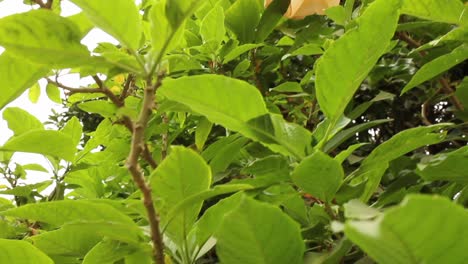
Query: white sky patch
[[42, 109]]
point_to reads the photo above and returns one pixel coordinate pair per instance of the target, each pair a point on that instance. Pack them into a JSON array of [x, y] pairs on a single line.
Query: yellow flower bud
[[298, 9], [119, 79], [116, 89]]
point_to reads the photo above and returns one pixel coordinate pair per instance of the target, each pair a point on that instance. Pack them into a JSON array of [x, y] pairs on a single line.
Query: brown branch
[[128, 84], [49, 4], [449, 91], [137, 147], [41, 4], [126, 121]]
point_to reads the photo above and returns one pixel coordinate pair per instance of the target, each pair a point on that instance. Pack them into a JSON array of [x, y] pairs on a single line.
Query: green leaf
[[103, 108], [451, 166], [237, 51], [55, 42], [172, 183], [342, 136], [448, 11], [34, 93], [438, 66], [122, 21], [212, 28], [374, 166], [61, 212], [83, 23], [53, 92], [256, 233], [17, 75], [20, 121], [15, 251], [107, 252], [164, 37], [202, 132], [270, 18], [46, 142], [242, 18], [347, 62], [288, 87], [238, 106], [319, 175], [66, 241], [74, 129], [406, 234], [337, 14]]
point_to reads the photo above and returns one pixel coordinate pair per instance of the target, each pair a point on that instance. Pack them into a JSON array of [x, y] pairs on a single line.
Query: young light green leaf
[[347, 62], [164, 37], [262, 232], [212, 28], [46, 142], [448, 11], [16, 251], [438, 66], [319, 175], [374, 166], [34, 93], [55, 42], [451, 166], [202, 132], [122, 21], [53, 92], [405, 234], [238, 106], [242, 18], [83, 23], [16, 76], [173, 183], [20, 121], [73, 128]]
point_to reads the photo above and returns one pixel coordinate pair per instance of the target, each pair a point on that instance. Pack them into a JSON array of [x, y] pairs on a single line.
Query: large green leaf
[[374, 166], [347, 62], [182, 174], [119, 18], [319, 175], [238, 106], [60, 212], [423, 229], [449, 11], [259, 233], [47, 142], [43, 37], [20, 121], [16, 76], [242, 18], [438, 66], [451, 166], [15, 251]]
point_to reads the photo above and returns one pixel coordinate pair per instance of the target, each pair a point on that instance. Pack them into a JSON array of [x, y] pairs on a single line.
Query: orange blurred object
[[298, 9]]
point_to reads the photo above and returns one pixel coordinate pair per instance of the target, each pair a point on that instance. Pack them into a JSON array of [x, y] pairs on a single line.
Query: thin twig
[[137, 147], [444, 82]]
